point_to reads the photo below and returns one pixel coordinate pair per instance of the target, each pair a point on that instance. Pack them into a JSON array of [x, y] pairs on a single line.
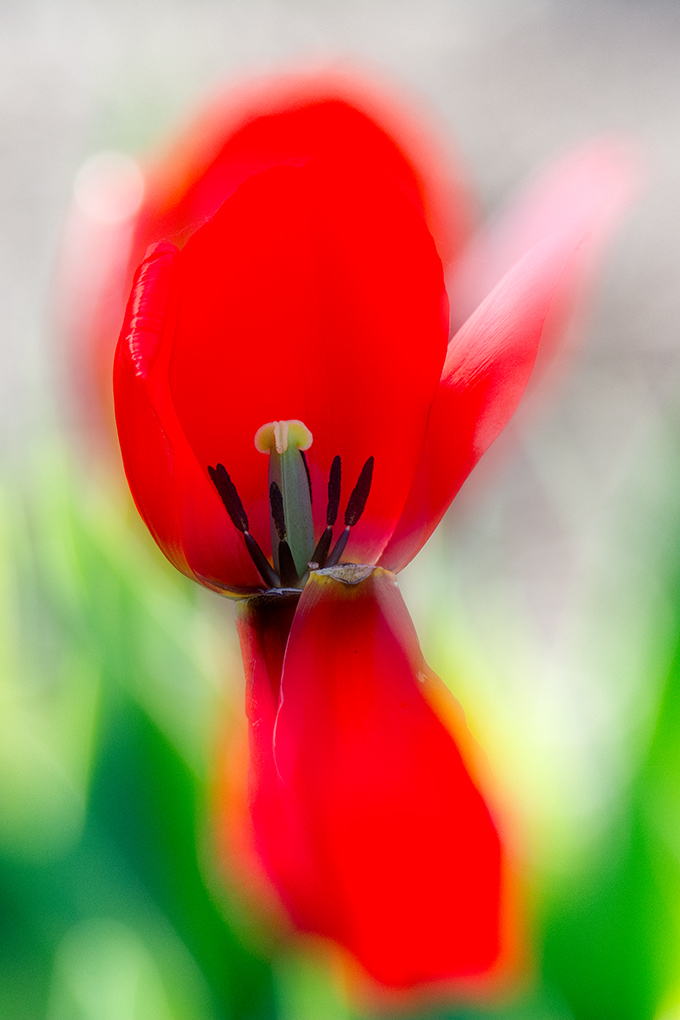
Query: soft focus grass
[[109, 689]]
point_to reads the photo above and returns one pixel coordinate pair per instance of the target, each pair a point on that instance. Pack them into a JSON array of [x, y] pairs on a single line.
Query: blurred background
[[549, 600]]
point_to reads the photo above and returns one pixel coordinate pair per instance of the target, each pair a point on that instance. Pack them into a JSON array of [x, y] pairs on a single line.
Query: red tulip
[[288, 402]]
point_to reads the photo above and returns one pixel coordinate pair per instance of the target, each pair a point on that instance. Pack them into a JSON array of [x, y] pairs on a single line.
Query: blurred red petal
[[581, 194], [263, 627], [332, 114], [147, 453], [487, 368], [396, 834], [315, 293], [119, 208]]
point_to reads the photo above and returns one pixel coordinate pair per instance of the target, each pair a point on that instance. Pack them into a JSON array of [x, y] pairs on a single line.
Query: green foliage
[[110, 689]]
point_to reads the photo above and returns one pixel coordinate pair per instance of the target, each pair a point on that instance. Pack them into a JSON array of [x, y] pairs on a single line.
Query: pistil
[[285, 442]]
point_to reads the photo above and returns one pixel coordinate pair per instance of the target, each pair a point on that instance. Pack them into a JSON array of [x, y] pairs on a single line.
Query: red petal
[[243, 131], [400, 842], [177, 502], [315, 293], [582, 193], [294, 117], [487, 368], [147, 453], [263, 627]]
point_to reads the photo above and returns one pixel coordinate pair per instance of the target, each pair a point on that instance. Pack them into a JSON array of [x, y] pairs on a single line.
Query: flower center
[[290, 503]]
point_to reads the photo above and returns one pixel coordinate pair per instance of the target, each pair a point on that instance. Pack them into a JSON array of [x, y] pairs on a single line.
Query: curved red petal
[[148, 456], [395, 830], [176, 501], [293, 117], [487, 369], [120, 208], [583, 192], [315, 293]]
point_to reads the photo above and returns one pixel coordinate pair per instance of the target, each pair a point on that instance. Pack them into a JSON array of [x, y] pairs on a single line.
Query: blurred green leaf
[[111, 682]]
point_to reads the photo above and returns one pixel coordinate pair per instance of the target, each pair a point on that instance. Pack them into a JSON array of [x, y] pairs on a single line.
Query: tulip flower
[[294, 422]]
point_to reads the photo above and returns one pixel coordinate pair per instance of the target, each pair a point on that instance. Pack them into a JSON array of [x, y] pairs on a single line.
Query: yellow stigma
[[276, 435]]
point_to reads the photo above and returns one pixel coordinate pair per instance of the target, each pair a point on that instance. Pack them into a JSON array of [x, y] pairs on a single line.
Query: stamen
[[229, 496], [309, 477], [356, 505], [290, 499], [338, 548], [239, 518], [334, 485], [323, 545], [357, 501], [267, 573], [334, 481], [276, 506], [289, 574]]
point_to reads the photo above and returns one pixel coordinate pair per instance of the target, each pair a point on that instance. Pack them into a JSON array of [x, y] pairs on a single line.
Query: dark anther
[[309, 477], [338, 548], [334, 491], [355, 507], [267, 572], [357, 501], [322, 547], [229, 496], [289, 574], [276, 506], [239, 518]]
